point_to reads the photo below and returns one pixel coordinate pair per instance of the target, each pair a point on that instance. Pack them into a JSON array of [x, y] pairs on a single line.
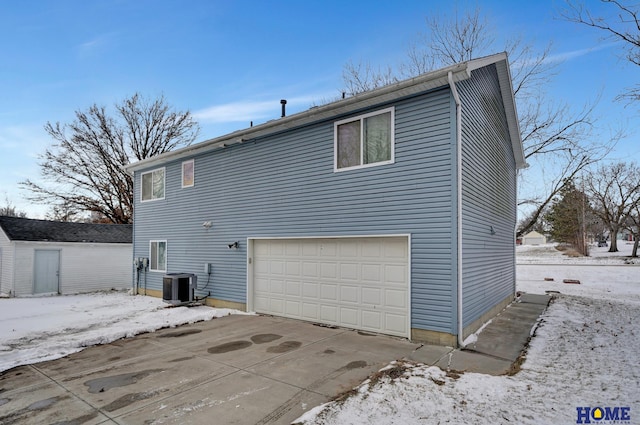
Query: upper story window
[[188, 173], [364, 141], [153, 185]]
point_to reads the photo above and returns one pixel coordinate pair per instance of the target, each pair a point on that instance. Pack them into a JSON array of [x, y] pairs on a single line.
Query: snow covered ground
[[37, 329], [584, 354]]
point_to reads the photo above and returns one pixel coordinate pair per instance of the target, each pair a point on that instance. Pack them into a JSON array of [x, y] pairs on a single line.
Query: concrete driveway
[[238, 369]]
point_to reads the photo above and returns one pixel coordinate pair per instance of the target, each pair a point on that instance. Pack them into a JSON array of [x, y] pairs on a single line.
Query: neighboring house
[[392, 211], [534, 238], [51, 257]]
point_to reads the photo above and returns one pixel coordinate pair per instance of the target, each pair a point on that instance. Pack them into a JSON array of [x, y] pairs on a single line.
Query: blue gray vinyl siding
[[284, 185], [489, 196]]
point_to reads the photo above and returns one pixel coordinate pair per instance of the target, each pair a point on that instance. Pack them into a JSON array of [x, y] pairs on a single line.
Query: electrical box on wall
[[207, 268], [141, 263]]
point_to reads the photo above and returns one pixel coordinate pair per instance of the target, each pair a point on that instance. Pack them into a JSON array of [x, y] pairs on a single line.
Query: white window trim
[[166, 255], [194, 173], [164, 183], [361, 119]]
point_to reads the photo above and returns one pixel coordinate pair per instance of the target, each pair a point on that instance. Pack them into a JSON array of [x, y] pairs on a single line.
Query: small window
[[158, 256], [364, 141], [153, 185], [188, 173]]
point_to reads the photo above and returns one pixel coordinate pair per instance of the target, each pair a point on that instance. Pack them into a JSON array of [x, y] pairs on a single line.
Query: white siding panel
[[6, 265], [23, 268]]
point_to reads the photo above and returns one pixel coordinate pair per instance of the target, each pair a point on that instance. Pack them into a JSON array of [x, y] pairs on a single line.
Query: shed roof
[[26, 229], [391, 92]]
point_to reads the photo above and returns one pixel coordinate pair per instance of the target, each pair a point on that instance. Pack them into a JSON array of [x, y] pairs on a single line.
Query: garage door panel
[[372, 320], [371, 273], [349, 317], [309, 248], [276, 286], [276, 248], [349, 294], [359, 282], [261, 285], [328, 270], [396, 323], [310, 311], [395, 274], [348, 271], [276, 306], [310, 269], [262, 303], [310, 290], [395, 299], [395, 250], [329, 313], [329, 249], [293, 308], [371, 249], [348, 249], [329, 292], [293, 288], [371, 296], [292, 268], [261, 266], [276, 267]]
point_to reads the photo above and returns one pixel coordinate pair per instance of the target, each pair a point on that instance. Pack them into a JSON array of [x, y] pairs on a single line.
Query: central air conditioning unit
[[179, 288]]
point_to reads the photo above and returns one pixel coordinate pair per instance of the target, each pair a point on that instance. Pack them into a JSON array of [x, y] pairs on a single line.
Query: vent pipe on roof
[[283, 102]]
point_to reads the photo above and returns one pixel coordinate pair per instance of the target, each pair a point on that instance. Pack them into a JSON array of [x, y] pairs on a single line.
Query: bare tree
[[623, 26], [84, 168], [614, 192], [552, 133], [360, 77], [66, 212], [10, 210]]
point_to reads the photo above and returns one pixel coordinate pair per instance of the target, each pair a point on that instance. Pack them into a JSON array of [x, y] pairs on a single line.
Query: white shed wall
[[6, 265], [95, 267], [84, 267], [23, 268]]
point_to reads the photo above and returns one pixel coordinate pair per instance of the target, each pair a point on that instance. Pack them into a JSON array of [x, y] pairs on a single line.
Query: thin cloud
[[249, 110], [567, 56], [96, 43]]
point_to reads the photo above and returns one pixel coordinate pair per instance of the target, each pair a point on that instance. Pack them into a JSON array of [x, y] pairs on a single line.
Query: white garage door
[[360, 283]]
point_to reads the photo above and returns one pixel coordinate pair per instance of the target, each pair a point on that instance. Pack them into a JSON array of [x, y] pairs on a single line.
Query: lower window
[[158, 256]]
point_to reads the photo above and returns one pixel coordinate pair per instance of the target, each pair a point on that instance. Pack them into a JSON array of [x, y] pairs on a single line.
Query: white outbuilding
[[40, 257], [534, 238]]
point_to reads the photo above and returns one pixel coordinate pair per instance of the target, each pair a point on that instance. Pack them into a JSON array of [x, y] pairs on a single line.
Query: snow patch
[[47, 328]]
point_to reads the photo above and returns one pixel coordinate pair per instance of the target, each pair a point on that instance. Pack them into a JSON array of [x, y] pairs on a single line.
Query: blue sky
[[230, 62]]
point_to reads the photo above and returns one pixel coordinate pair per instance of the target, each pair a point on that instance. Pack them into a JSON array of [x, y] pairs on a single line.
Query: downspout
[[459, 202]]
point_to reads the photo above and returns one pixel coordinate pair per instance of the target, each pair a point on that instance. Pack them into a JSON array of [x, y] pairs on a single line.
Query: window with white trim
[[152, 185], [158, 256], [188, 173], [364, 141]]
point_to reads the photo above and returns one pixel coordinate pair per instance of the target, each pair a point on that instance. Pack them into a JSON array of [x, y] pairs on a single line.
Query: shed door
[[360, 283], [47, 271]]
